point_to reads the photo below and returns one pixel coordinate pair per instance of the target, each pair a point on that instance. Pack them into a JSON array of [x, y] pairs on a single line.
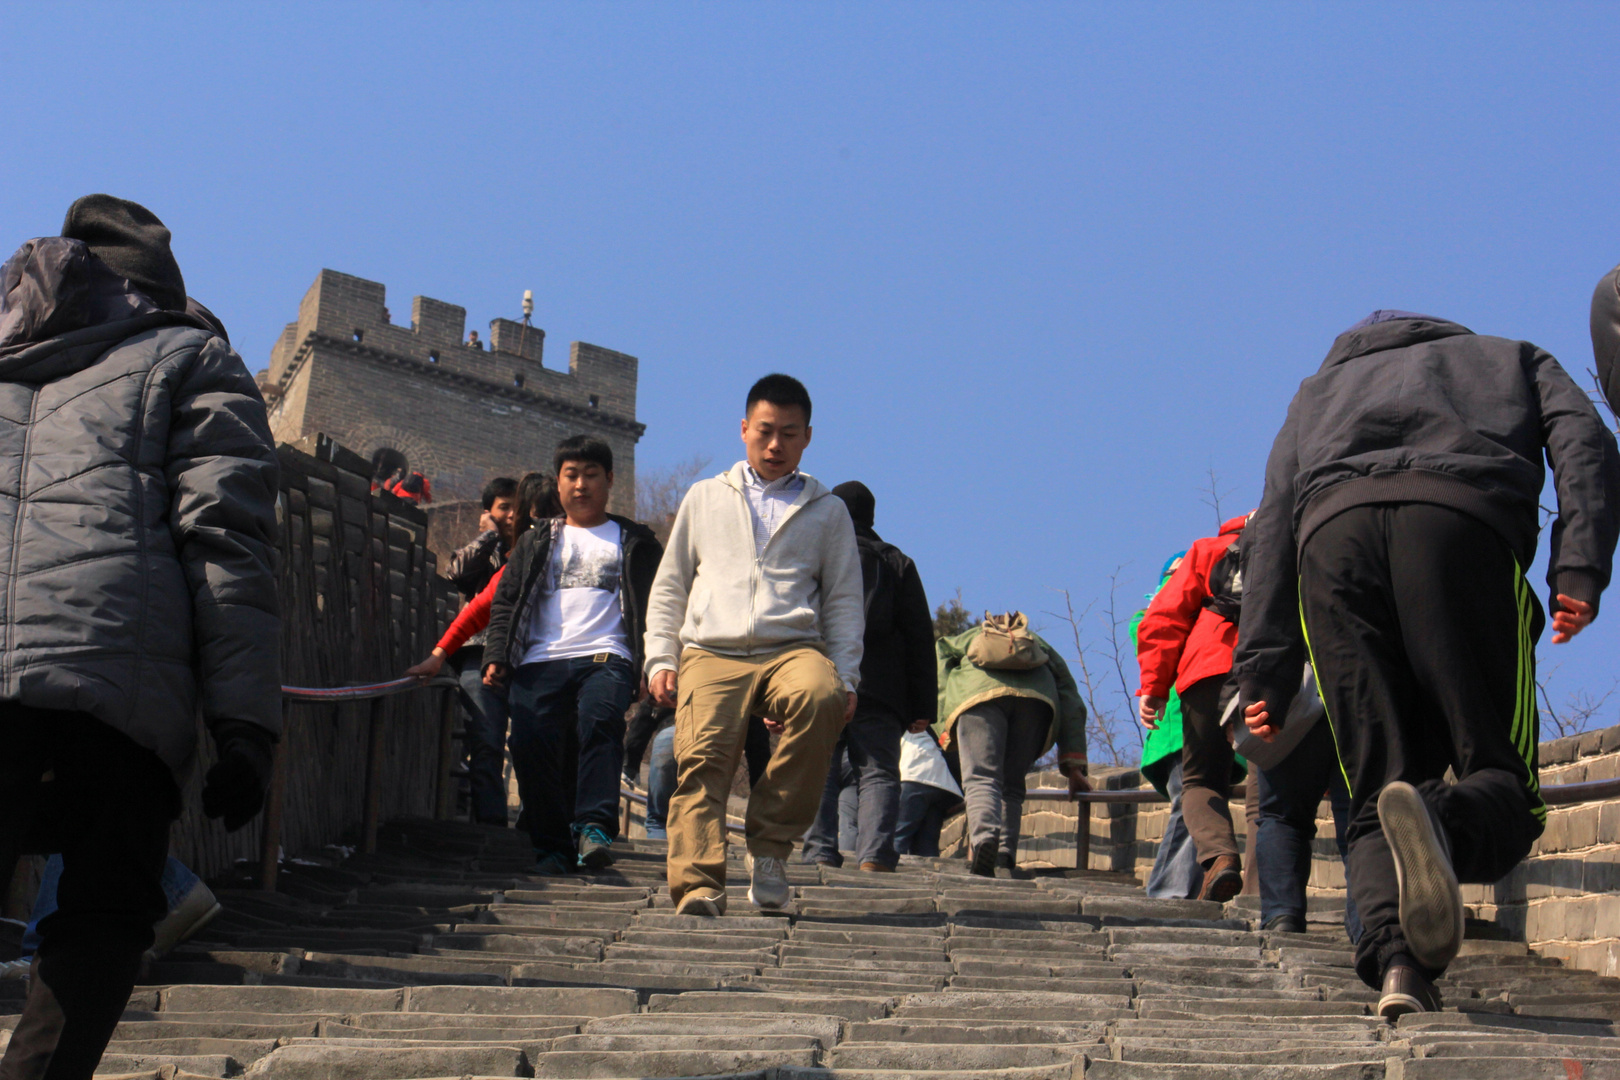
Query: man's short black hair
[[582, 448], [502, 487], [781, 391]]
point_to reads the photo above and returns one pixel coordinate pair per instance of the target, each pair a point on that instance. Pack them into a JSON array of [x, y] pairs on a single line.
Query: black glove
[[234, 788]]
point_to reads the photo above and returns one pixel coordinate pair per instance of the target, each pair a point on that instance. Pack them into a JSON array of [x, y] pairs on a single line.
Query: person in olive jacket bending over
[[138, 484]]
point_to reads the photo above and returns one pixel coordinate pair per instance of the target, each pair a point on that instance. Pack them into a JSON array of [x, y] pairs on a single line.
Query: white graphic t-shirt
[[576, 611]]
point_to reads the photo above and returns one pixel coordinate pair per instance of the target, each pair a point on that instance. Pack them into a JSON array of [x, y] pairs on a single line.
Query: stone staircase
[[441, 956]]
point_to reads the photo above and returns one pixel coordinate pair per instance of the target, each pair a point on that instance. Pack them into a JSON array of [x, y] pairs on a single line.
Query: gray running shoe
[[767, 882], [1431, 908]]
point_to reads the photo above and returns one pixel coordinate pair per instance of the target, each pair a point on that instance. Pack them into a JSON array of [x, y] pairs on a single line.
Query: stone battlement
[[418, 397], [351, 311]]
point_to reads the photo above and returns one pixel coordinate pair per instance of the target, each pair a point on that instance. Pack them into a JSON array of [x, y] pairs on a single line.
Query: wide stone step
[[116, 1063], [310, 1061], [824, 1029], [1505, 1068], [673, 1063], [945, 1056], [1145, 1070]]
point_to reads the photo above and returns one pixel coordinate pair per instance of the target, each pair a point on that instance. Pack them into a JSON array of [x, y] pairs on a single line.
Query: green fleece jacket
[[963, 684]]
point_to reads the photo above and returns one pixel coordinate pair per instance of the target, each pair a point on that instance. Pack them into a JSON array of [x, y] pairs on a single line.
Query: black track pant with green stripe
[[1422, 630]]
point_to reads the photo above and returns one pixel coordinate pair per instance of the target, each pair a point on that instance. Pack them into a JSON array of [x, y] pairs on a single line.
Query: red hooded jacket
[[1179, 641]]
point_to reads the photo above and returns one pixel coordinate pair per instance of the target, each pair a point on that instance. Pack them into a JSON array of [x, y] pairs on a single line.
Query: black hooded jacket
[[898, 669], [1417, 409]]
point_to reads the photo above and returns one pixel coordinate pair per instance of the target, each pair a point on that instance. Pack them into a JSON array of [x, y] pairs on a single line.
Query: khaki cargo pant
[[714, 697]]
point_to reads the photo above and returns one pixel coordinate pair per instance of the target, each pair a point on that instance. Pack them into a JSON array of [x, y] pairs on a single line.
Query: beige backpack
[[1005, 643]]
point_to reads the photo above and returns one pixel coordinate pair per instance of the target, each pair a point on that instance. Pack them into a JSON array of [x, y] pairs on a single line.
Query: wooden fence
[[360, 602]]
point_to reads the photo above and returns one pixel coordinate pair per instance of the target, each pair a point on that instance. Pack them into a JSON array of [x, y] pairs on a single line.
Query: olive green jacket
[[962, 684]]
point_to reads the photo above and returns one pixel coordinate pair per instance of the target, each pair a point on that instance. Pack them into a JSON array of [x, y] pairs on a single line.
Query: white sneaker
[[15, 969], [1431, 907], [767, 882], [196, 911]]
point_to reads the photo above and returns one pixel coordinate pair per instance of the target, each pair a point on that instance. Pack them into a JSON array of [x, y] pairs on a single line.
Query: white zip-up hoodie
[[715, 593]]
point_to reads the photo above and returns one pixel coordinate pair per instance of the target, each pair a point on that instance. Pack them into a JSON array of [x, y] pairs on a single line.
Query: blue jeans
[[178, 881], [864, 772], [567, 745], [923, 810], [1176, 872], [660, 782], [1289, 796], [485, 722]]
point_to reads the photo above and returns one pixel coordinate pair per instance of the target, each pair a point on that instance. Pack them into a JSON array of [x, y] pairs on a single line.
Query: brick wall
[[1564, 899], [459, 415]]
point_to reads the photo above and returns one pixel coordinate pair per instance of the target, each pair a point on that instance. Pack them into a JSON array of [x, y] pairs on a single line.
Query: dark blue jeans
[[1289, 796], [567, 745], [485, 722], [923, 810], [872, 742]]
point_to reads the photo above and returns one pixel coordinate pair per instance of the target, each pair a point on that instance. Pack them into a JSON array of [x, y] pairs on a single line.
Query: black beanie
[[131, 240], [862, 505]]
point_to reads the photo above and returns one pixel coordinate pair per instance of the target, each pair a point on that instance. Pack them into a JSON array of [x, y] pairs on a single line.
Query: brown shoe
[[1407, 991], [876, 868], [1223, 879]]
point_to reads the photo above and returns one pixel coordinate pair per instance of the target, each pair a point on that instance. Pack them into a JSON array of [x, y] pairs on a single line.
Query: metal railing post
[[1082, 837], [374, 766], [446, 804], [274, 806]]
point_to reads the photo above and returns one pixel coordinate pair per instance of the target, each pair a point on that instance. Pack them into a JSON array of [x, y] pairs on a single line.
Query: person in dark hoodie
[[139, 489], [1400, 514], [899, 692]]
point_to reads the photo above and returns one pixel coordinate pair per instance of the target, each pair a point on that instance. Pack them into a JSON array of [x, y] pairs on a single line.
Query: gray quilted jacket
[[138, 485]]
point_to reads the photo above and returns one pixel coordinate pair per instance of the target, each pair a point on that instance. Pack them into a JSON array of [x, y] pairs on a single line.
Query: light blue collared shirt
[[769, 502]]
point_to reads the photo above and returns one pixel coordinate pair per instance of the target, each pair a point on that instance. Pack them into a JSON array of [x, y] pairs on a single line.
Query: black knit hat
[[131, 240], [862, 504]]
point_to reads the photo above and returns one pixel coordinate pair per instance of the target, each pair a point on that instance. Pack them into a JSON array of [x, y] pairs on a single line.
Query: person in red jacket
[[1183, 643]]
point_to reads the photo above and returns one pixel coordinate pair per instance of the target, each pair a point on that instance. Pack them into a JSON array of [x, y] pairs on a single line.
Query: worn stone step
[[508, 1035], [848, 1007], [1273, 1056], [947, 1056], [1145, 1070], [279, 999], [1008, 1032], [1025, 1005], [465, 1021], [673, 1063], [824, 1029], [129, 1030], [522, 944], [645, 1042], [1504, 1068], [240, 1050], [310, 1061], [115, 1063]]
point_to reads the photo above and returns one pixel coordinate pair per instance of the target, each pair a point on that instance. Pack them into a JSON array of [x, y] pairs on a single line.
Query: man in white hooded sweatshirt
[[757, 608]]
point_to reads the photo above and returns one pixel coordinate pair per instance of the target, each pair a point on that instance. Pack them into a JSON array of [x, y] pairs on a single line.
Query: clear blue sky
[[1042, 266]]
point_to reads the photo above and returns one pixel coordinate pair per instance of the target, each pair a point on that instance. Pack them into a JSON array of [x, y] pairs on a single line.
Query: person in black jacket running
[[899, 692], [1399, 516]]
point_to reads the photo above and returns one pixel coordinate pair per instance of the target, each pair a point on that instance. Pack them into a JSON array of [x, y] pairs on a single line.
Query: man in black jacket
[[1399, 516], [483, 711], [899, 691], [565, 644], [139, 493]]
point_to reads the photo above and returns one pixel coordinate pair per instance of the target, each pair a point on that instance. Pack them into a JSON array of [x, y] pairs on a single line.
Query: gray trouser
[[998, 740]]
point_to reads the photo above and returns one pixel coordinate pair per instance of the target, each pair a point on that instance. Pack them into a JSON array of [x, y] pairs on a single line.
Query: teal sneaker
[[553, 864], [595, 848]]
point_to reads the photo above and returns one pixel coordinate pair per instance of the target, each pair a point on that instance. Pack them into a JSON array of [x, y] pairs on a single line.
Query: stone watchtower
[[421, 399]]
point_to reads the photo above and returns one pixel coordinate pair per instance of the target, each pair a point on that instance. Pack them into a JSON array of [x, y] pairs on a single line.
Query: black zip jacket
[[898, 667], [472, 566], [1425, 410], [506, 639]]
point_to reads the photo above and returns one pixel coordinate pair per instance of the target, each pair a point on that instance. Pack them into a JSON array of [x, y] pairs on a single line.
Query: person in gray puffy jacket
[[138, 486]]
